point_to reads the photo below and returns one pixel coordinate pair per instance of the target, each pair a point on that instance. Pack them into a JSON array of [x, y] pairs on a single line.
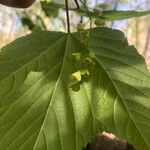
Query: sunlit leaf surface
[[40, 110]]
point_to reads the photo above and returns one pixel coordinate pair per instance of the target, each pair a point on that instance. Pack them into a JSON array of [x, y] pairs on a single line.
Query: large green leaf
[[40, 109]]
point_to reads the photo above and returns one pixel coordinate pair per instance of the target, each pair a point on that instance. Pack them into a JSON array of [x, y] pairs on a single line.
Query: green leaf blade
[[40, 110], [131, 80]]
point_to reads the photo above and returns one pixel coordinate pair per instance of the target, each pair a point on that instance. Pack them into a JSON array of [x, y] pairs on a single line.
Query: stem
[[77, 3], [84, 4], [67, 15]]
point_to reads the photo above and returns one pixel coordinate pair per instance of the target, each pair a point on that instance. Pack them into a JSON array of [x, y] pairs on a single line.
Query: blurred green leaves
[[113, 15], [50, 10], [33, 25]]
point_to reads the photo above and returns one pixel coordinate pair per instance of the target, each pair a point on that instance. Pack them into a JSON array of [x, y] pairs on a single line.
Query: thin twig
[[77, 3], [84, 4], [67, 15]]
